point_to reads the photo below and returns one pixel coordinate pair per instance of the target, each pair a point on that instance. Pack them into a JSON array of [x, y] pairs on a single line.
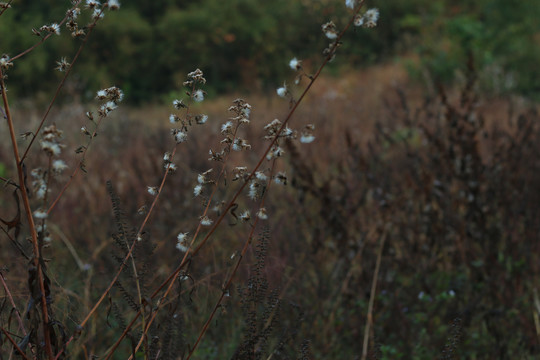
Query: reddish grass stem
[[369, 320], [19, 350], [6, 7], [233, 273], [30, 49], [30, 219], [17, 313]]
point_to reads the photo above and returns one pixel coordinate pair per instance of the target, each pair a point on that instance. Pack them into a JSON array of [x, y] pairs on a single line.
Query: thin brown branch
[[77, 169], [20, 352], [58, 88], [42, 40], [30, 219], [6, 7], [369, 320], [233, 273], [10, 297]]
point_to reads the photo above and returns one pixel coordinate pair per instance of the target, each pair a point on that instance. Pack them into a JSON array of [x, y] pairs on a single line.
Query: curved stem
[[19, 350], [30, 219], [369, 320]]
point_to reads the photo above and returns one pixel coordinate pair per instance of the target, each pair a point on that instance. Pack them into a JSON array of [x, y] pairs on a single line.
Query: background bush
[[148, 46]]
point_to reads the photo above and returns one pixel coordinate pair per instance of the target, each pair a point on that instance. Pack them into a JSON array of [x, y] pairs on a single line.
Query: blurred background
[[432, 121], [149, 46]]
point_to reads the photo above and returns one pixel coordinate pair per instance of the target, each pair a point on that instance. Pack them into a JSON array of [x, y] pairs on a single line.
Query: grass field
[[414, 211]]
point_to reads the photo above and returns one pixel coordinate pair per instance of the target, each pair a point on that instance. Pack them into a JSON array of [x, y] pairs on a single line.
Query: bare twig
[[20, 352], [30, 219], [369, 320]]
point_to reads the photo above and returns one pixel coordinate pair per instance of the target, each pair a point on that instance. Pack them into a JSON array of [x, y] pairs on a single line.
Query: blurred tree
[[148, 47]]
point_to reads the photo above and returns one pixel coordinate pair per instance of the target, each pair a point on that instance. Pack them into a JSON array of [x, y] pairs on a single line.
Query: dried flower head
[[50, 140], [92, 4], [240, 172], [350, 3], [112, 93], [179, 104], [272, 128], [179, 135], [371, 16], [253, 193], [201, 119], [216, 156], [174, 118], [198, 95], [206, 221], [368, 20], [5, 62], [98, 14], [63, 65], [195, 76], [73, 14], [113, 5], [182, 244], [167, 157], [58, 166], [295, 64], [152, 190], [143, 210], [280, 178], [106, 108], [54, 28], [170, 167], [245, 216], [40, 214], [330, 30], [282, 91], [227, 128], [307, 138], [261, 214], [240, 144]]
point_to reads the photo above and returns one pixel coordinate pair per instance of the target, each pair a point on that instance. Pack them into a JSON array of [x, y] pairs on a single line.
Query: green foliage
[[499, 38], [148, 46]]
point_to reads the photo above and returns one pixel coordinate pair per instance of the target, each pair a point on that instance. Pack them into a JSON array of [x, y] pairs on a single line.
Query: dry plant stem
[[139, 293], [10, 297], [21, 353], [113, 348], [68, 245], [189, 255], [76, 171], [30, 49], [30, 219], [197, 231], [369, 320], [128, 255], [262, 158], [352, 271], [536, 313], [4, 9], [233, 273], [17, 245], [176, 273], [58, 88]]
